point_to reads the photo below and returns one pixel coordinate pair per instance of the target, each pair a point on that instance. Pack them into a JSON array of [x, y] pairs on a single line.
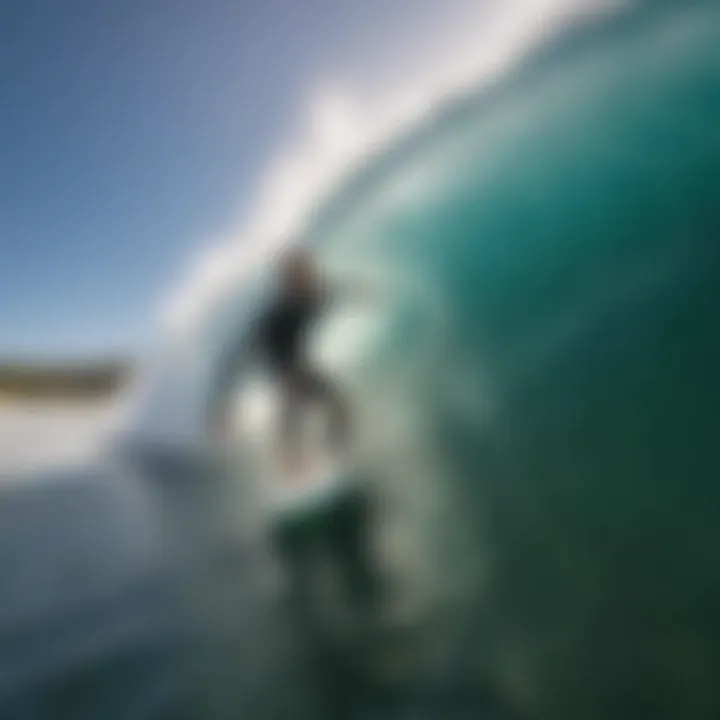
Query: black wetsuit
[[282, 330], [280, 337]]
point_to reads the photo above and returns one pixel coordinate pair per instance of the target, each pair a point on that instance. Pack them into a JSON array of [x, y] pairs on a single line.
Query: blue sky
[[129, 131], [133, 130]]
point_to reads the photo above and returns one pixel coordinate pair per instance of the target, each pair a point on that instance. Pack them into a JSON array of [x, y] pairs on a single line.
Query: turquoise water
[[542, 387]]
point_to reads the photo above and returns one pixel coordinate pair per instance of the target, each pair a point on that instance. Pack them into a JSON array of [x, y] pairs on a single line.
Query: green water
[[544, 390]]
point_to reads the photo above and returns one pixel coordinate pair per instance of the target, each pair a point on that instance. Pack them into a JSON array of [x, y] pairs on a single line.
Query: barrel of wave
[[540, 398]]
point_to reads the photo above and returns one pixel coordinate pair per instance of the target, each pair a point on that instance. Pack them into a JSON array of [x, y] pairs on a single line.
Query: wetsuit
[[281, 331], [280, 336]]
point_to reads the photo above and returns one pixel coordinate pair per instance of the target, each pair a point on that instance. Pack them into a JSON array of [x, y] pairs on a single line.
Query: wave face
[[537, 385]]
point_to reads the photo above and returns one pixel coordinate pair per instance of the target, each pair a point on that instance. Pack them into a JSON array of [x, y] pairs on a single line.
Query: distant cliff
[[61, 380]]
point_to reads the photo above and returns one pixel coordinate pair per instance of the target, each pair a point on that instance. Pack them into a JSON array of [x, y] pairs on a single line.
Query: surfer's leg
[[291, 392], [321, 388]]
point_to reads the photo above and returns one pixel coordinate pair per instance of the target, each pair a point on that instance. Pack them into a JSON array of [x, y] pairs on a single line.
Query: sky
[[137, 135]]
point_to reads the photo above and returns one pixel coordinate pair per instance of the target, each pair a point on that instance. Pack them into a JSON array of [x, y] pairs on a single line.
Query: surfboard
[[313, 487]]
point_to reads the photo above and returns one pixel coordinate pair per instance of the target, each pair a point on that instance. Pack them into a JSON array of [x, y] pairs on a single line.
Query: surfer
[[332, 517], [281, 334], [277, 339]]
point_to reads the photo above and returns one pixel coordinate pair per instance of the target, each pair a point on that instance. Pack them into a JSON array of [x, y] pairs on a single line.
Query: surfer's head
[[297, 271]]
